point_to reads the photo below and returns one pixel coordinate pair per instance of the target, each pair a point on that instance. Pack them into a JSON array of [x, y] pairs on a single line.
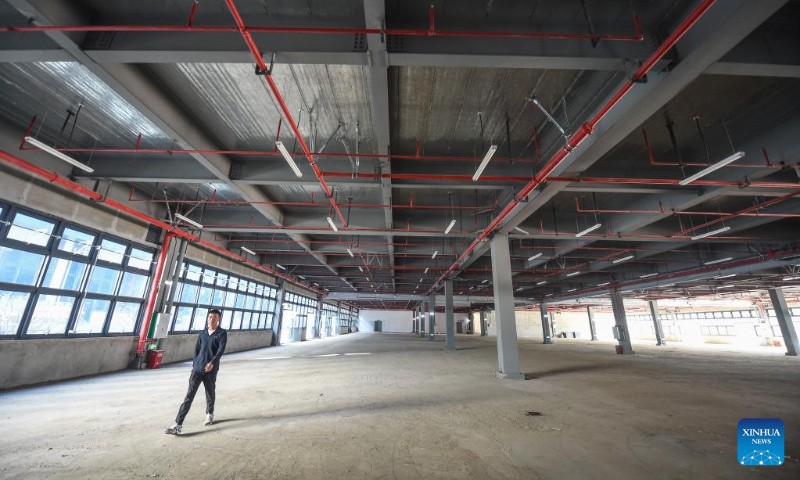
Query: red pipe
[[743, 212], [251, 44], [586, 130], [323, 30], [154, 287], [677, 212]]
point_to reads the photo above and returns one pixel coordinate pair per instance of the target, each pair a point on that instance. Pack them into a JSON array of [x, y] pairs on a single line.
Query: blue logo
[[760, 441]]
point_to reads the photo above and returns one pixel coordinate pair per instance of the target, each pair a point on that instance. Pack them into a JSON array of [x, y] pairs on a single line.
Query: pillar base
[[622, 350], [431, 339], [509, 376]]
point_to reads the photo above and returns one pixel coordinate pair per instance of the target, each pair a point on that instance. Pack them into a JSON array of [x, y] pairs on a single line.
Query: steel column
[[450, 339], [592, 326], [277, 318], [621, 322], [784, 320], [423, 309], [507, 348], [547, 335], [318, 317], [432, 317], [659, 330]]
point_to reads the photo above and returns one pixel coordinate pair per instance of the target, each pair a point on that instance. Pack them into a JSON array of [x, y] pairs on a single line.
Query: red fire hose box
[[154, 358]]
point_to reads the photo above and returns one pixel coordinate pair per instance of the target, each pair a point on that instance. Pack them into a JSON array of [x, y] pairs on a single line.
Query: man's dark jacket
[[209, 349]]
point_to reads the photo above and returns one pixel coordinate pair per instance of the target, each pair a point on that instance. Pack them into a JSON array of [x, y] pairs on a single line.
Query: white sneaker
[[174, 430], [209, 419]]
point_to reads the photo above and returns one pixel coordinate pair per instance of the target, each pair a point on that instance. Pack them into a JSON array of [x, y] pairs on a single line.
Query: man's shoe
[[174, 430], [209, 419]]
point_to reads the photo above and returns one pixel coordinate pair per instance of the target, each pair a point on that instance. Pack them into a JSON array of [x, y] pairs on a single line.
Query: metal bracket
[[268, 71], [747, 182]]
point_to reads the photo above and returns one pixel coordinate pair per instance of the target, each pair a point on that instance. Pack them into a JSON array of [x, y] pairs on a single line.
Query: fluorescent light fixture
[[434, 254], [720, 260], [603, 284], [712, 232], [57, 154], [788, 279], [725, 276], [573, 274], [571, 290], [373, 286], [712, 168], [623, 259], [588, 230], [420, 280], [648, 275], [542, 282], [368, 279], [248, 251], [350, 252], [521, 230], [280, 266], [726, 286], [534, 257], [485, 281], [360, 269], [426, 269], [188, 220], [668, 285], [302, 277], [288, 158], [316, 284], [484, 162], [333, 225], [520, 289], [450, 227]]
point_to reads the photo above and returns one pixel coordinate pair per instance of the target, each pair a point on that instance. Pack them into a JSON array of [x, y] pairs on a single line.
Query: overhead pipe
[[172, 231], [582, 133], [661, 211], [266, 72], [190, 27], [743, 212]]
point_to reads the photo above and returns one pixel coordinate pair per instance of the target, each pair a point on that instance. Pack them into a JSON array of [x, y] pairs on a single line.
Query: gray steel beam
[[657, 328], [507, 348], [592, 325], [621, 323], [785, 322], [450, 340], [547, 335]]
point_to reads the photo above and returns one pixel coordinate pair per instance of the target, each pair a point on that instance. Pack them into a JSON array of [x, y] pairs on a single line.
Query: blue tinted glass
[[183, 318], [64, 274], [77, 242], [189, 293], [50, 315], [123, 320], [14, 304], [103, 280], [30, 230], [140, 259], [111, 251], [17, 266], [133, 285], [92, 316]]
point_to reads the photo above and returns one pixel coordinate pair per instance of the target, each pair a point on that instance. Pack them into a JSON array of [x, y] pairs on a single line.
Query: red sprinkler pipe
[[56, 179], [251, 44], [586, 130], [743, 212]]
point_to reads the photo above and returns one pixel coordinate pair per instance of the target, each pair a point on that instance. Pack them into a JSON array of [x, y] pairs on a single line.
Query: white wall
[[393, 320]]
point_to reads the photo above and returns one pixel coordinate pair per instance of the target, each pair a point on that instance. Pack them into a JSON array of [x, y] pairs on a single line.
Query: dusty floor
[[397, 406]]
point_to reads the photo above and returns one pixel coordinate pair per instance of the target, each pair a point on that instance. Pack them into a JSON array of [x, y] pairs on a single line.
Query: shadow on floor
[[572, 369]]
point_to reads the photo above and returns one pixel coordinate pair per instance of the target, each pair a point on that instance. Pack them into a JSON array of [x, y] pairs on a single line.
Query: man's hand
[[209, 367]]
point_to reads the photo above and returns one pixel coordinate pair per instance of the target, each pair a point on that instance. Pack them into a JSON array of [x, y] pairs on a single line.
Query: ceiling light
[[368, 279], [719, 260], [280, 266], [333, 225], [316, 284], [603, 284], [350, 252], [521, 230], [484, 162], [245, 249], [420, 280], [725, 276], [573, 274], [787, 279], [288, 158], [588, 230], [434, 254], [373, 286], [712, 168], [485, 281], [648, 275], [668, 285], [534, 257], [426, 269], [542, 282], [571, 290], [450, 227], [302, 277], [360, 269], [188, 220], [623, 259], [712, 232], [726, 286], [520, 289], [57, 154]]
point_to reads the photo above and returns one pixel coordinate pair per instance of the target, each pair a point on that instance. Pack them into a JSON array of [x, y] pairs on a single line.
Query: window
[[30, 230], [83, 283], [183, 319], [19, 267]]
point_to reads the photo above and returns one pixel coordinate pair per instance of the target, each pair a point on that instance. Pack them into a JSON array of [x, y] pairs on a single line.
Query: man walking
[[210, 347]]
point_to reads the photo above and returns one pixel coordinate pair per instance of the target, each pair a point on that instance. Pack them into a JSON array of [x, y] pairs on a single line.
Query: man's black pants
[[209, 381]]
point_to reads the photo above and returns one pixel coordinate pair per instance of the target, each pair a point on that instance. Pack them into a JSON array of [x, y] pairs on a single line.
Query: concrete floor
[[397, 406]]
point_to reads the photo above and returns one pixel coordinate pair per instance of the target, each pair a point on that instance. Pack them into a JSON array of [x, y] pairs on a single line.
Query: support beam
[[547, 335], [483, 324], [318, 318], [278, 314], [592, 325], [784, 320], [432, 317], [659, 330], [450, 340], [507, 348], [423, 306], [621, 323]]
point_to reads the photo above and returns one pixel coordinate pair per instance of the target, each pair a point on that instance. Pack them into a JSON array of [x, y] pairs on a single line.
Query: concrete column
[[277, 318], [507, 348], [432, 316], [784, 320], [414, 320], [547, 335], [592, 326], [657, 323], [483, 324], [176, 275], [336, 329], [423, 310], [621, 322], [318, 318], [450, 339]]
